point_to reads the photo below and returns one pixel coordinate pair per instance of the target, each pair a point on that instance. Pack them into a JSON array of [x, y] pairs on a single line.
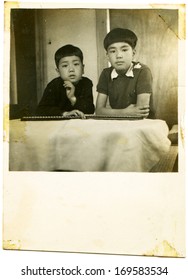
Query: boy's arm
[[101, 106], [144, 89], [131, 110], [143, 100], [84, 99], [70, 90], [48, 106]]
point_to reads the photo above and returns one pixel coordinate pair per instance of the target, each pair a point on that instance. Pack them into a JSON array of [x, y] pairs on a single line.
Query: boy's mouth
[[119, 62], [72, 76]]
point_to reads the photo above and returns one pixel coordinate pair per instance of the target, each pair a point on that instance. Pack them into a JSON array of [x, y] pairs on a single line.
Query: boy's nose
[[71, 69], [119, 54]]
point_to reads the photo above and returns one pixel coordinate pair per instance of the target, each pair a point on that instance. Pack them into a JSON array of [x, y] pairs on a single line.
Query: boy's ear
[[108, 60], [134, 52], [83, 65], [57, 70], [107, 56]]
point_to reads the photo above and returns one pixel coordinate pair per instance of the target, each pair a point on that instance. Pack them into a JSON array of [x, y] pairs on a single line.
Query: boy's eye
[[76, 64], [124, 50], [111, 51], [64, 65]]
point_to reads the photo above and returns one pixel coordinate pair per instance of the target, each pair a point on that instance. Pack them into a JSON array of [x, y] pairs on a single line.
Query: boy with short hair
[[70, 94], [128, 84]]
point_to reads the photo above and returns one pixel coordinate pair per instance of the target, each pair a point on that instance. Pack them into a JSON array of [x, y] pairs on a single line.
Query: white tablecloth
[[87, 145]]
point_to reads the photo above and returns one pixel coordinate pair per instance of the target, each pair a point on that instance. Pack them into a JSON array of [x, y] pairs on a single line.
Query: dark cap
[[120, 35]]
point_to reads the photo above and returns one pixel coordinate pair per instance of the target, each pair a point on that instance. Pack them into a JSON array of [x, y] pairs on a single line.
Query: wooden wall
[[23, 80], [157, 32]]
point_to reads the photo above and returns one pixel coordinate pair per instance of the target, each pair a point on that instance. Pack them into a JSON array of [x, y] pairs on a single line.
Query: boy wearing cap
[[127, 84], [70, 94]]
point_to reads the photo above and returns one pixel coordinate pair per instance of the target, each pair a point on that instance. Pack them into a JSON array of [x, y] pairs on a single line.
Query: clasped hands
[[139, 111]]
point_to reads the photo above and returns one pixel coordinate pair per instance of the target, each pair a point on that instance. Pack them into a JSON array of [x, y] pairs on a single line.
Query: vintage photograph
[[93, 100], [97, 93]]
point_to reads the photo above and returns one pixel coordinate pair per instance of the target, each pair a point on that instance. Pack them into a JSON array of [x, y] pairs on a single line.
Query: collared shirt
[[123, 89], [129, 72]]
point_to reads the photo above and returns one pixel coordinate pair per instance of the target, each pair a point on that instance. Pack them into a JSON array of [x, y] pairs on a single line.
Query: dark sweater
[[54, 100]]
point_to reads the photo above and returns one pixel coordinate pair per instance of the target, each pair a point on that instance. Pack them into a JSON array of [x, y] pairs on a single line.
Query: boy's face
[[120, 56], [70, 68]]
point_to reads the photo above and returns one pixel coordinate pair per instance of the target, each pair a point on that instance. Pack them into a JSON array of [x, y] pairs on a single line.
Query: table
[[92, 212], [87, 145]]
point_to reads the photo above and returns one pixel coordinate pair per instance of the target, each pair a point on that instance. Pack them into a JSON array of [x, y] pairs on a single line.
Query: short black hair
[[120, 35], [68, 50]]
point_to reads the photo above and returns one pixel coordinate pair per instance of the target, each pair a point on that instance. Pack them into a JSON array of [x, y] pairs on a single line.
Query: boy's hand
[[74, 113], [70, 89], [138, 111]]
